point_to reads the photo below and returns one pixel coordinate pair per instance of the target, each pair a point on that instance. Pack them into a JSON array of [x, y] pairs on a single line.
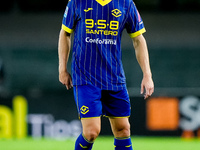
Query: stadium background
[[29, 68]]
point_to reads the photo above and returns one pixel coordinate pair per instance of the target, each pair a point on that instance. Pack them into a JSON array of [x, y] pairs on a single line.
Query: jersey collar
[[103, 2]]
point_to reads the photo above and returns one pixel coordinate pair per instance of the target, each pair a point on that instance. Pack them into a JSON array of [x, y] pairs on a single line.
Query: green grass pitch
[[102, 143]]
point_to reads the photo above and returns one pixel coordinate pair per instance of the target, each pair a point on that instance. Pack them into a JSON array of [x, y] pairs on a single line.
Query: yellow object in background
[[6, 121], [20, 113], [13, 124]]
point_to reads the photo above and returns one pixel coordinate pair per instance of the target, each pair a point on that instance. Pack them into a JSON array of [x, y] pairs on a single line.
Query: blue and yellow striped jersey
[[97, 27]]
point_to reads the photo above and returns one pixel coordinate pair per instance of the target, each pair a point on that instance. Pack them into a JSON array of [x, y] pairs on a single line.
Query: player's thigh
[[120, 126]]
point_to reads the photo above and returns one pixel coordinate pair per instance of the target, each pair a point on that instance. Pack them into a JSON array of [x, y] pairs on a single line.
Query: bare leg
[[91, 128], [120, 127], [121, 130]]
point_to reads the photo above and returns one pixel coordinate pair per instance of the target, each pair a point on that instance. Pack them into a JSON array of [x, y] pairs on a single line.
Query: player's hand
[[147, 87], [65, 79]]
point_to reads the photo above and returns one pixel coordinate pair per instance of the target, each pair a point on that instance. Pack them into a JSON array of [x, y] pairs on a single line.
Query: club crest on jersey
[[116, 12], [84, 109]]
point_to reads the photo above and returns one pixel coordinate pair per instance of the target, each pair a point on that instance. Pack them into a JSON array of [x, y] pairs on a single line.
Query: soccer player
[[98, 78]]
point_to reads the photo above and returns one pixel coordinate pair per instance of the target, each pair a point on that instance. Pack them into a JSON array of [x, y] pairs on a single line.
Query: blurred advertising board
[[173, 114], [55, 116]]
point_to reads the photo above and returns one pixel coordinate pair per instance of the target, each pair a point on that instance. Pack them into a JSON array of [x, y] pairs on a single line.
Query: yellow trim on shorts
[[91, 117], [132, 35], [66, 29], [106, 116], [117, 117]]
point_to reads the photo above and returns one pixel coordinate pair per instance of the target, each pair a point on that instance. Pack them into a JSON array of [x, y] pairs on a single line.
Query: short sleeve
[[69, 18], [134, 24]]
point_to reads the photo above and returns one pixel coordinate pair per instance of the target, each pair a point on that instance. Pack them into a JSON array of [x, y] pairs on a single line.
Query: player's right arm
[[64, 45]]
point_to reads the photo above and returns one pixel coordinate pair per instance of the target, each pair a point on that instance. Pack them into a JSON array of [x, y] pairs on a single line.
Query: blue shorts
[[93, 102]]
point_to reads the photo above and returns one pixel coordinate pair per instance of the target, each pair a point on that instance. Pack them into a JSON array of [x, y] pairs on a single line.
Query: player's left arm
[[142, 56]]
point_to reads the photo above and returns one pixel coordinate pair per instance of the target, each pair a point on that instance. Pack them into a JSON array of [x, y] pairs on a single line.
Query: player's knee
[[92, 134], [123, 131]]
